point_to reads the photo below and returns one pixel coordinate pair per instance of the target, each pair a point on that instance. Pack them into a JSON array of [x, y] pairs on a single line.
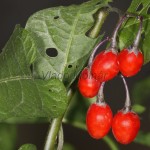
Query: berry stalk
[[114, 37], [138, 36], [100, 95], [94, 52], [127, 106]]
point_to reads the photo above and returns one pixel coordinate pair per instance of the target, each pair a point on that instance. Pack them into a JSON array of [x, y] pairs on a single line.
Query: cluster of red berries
[[105, 66]]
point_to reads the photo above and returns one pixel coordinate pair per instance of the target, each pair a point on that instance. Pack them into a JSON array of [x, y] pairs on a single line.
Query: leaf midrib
[[70, 42]]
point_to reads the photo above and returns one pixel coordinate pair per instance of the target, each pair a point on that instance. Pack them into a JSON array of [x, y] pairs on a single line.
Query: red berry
[[88, 86], [125, 126], [105, 66], [130, 62], [99, 120]]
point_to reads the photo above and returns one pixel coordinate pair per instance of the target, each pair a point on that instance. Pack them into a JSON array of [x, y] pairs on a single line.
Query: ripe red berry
[[105, 66], [88, 86], [125, 126], [130, 62], [99, 120]]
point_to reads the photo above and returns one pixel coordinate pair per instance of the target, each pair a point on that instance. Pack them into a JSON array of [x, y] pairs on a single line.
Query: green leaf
[[143, 138], [20, 94], [138, 108], [130, 29], [64, 29], [8, 135], [27, 120], [68, 146], [28, 147], [141, 91]]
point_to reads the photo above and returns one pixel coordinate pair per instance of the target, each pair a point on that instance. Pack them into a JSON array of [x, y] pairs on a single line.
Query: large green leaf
[[64, 29], [20, 94], [130, 29]]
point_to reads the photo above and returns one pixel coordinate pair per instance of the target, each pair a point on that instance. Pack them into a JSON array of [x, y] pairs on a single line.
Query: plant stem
[[100, 18], [114, 36], [76, 124], [52, 134], [127, 105], [60, 139], [116, 10], [111, 143], [100, 96], [54, 128], [138, 36], [94, 51]]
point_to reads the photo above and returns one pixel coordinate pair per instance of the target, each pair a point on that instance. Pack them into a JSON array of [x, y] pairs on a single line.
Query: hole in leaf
[[69, 66], [54, 106], [143, 35], [148, 11], [98, 3], [56, 17], [87, 33], [139, 7], [52, 52], [31, 68]]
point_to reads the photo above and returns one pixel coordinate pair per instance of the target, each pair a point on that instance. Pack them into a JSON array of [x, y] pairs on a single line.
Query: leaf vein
[[70, 40]]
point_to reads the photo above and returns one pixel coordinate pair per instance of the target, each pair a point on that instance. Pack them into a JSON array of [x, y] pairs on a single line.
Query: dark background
[[14, 12]]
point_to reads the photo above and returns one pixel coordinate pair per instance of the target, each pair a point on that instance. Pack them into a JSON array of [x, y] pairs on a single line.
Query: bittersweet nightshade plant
[[37, 86]]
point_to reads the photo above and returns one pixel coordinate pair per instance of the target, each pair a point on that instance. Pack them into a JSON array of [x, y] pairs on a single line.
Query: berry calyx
[[88, 86], [131, 60], [99, 117], [126, 123]]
